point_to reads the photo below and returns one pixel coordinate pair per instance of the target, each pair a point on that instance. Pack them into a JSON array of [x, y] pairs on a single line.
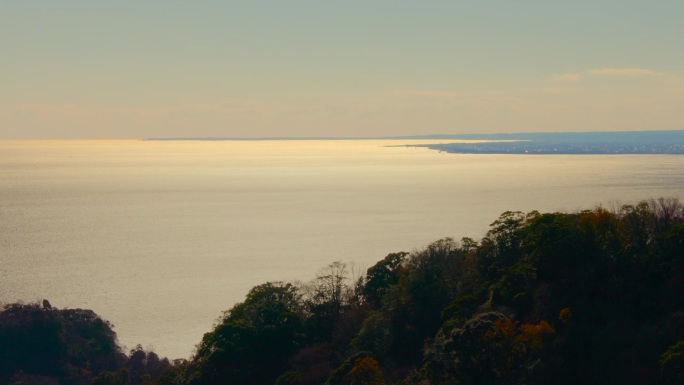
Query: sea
[[161, 237]]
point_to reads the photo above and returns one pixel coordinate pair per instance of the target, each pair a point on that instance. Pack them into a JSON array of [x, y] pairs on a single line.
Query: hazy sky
[[132, 69]]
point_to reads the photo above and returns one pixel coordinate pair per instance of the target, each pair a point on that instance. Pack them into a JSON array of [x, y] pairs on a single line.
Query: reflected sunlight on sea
[[160, 237]]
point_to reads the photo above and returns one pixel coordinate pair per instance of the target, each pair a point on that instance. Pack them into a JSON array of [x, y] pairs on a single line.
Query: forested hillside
[[559, 298]]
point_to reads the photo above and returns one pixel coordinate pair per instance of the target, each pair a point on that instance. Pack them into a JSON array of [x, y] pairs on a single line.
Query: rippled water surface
[[161, 237]]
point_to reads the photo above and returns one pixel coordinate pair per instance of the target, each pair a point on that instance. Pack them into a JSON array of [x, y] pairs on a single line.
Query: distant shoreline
[[547, 143]]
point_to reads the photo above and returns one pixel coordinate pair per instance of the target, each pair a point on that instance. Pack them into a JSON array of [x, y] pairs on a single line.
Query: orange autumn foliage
[[534, 336]]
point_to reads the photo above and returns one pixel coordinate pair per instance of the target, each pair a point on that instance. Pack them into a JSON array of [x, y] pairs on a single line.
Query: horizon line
[[405, 137]]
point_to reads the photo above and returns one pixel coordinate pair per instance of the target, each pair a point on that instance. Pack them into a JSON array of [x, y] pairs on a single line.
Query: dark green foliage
[[460, 310], [120, 377], [381, 276], [374, 335], [291, 377], [430, 279], [46, 345], [67, 345], [359, 369], [347, 326], [314, 364], [31, 341], [467, 355], [253, 342], [672, 364], [338, 375], [145, 368]]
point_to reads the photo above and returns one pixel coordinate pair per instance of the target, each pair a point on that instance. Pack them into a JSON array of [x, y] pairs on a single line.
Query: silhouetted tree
[[253, 341]]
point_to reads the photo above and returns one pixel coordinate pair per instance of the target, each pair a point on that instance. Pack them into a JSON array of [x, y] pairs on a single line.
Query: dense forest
[[590, 297]]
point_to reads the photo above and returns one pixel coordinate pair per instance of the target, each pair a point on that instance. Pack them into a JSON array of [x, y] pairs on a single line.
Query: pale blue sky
[[131, 69]]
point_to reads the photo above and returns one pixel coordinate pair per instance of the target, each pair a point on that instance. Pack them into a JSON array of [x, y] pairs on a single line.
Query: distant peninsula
[[622, 142], [607, 142]]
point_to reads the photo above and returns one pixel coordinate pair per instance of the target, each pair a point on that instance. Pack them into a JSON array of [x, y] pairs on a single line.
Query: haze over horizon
[[79, 69]]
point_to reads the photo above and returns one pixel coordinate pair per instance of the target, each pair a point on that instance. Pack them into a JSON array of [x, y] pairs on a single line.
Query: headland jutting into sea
[[616, 142]]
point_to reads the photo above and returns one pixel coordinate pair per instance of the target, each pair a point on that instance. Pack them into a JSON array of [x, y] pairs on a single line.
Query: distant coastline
[[625, 142], [605, 142]]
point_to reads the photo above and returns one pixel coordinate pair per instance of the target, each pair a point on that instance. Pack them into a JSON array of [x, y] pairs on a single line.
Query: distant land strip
[[605, 142], [623, 142]]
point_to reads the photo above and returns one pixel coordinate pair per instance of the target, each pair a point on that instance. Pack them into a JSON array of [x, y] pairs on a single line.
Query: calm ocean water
[[161, 237]]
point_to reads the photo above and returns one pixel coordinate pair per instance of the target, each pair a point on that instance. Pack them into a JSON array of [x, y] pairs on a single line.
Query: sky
[[139, 69]]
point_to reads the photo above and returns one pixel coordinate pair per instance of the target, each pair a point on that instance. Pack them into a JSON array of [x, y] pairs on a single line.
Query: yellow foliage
[[565, 315], [366, 371]]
